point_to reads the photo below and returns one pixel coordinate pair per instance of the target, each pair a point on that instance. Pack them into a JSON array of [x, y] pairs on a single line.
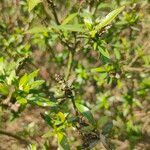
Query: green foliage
[[109, 18], [32, 4], [85, 64]]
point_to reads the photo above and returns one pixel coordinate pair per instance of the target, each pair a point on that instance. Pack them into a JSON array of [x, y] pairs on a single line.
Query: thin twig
[[74, 106], [61, 37], [69, 66], [22, 64], [133, 60]]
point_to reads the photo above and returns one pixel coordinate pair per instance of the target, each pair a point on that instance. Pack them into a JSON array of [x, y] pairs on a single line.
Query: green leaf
[[4, 90], [63, 142], [22, 101], [101, 69], [47, 119], [2, 65], [41, 101], [32, 147], [86, 113], [32, 4], [69, 18], [33, 75], [23, 80], [64, 27], [39, 29], [61, 116], [70, 27], [104, 52], [36, 84], [117, 53], [11, 77], [26, 88], [88, 22], [109, 18]]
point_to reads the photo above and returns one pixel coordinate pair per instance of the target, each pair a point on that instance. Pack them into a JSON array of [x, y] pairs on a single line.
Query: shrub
[[85, 62]]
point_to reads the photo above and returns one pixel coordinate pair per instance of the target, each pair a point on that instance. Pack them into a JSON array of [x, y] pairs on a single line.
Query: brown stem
[[15, 136], [74, 106], [51, 3], [136, 69]]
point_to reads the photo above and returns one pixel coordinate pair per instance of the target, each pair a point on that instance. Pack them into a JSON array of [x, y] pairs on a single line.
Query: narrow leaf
[[104, 52], [39, 29], [41, 101], [36, 84], [109, 18], [69, 27], [47, 119], [2, 65], [69, 18]]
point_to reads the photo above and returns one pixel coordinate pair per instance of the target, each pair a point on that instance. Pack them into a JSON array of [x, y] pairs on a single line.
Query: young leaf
[[86, 113], [69, 18], [104, 52], [23, 80], [61, 116], [32, 4], [99, 69], [2, 65], [36, 84], [109, 18], [32, 75], [22, 100]]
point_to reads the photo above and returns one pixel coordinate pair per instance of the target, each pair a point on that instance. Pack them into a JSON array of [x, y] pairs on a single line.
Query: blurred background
[[115, 86]]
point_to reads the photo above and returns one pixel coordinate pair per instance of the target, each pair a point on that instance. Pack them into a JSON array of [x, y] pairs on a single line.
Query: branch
[[15, 136], [136, 69], [61, 37], [51, 3]]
